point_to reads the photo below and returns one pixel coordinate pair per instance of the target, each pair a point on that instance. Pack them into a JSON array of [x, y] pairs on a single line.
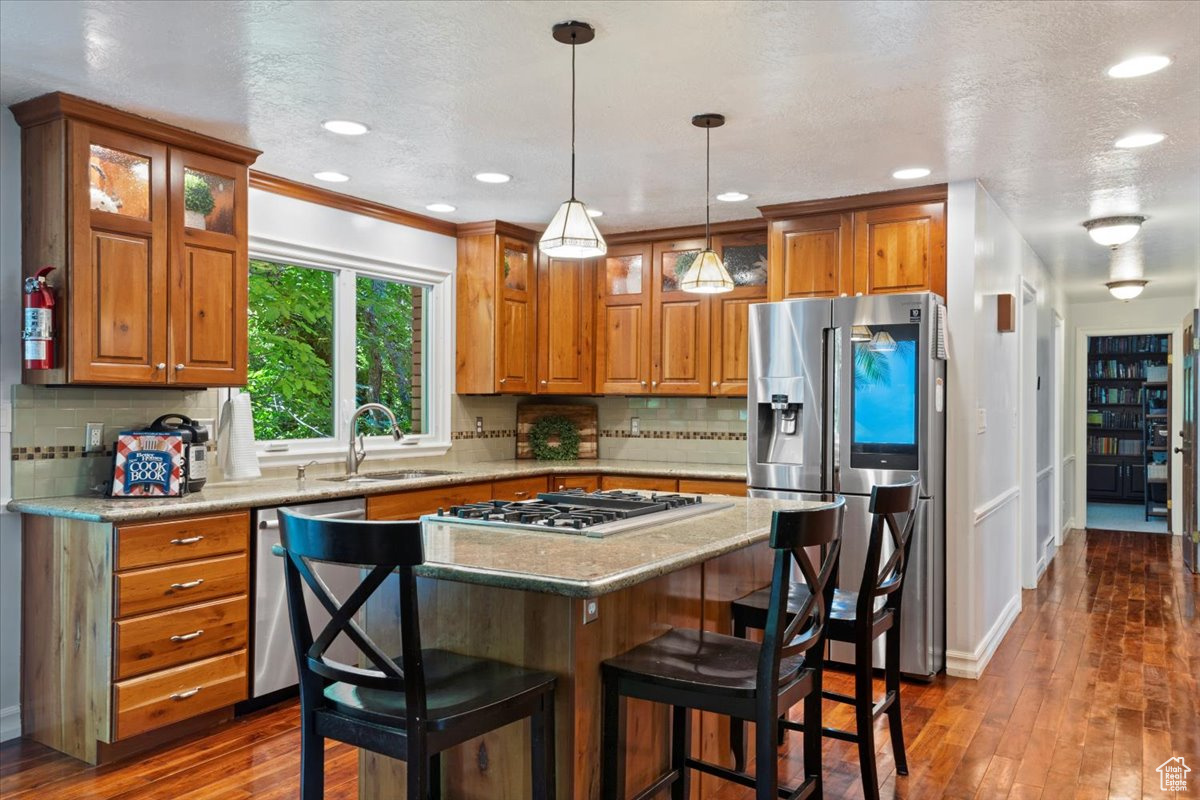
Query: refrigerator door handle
[[833, 373]]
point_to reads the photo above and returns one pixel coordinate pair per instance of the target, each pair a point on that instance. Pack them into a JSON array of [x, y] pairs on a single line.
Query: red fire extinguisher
[[39, 321]]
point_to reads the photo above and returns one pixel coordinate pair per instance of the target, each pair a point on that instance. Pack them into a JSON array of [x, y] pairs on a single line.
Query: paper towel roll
[[235, 440]]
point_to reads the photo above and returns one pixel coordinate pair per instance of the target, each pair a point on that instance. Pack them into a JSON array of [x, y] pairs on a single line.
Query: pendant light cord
[[707, 171], [572, 116]]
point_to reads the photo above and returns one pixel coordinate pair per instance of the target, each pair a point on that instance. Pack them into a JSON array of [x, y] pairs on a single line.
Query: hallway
[[1092, 689]]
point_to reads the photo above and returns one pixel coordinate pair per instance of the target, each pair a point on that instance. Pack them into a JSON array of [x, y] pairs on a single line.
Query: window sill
[[298, 454]]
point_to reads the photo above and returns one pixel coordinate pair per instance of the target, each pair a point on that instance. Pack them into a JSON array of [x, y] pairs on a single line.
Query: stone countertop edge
[[595, 588], [262, 493]]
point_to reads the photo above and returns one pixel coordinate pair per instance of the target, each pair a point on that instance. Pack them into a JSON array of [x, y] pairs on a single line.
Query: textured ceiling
[[822, 99]]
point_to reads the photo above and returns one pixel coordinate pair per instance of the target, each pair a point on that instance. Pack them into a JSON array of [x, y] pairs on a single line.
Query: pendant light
[[572, 234], [707, 275]]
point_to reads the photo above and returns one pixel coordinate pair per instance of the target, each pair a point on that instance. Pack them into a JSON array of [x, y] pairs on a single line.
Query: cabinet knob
[[643, 383], [178, 367], [543, 383], [654, 383], [714, 384], [160, 365]]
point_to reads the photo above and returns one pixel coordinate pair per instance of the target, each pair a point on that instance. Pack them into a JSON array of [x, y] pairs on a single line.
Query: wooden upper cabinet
[[209, 266], [496, 319], [811, 257], [745, 256], [141, 292], [622, 335], [680, 337], [117, 295], [900, 249], [566, 308]]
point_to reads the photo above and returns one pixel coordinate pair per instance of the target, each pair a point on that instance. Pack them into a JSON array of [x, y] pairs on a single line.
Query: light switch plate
[[635, 426], [981, 419], [93, 437]]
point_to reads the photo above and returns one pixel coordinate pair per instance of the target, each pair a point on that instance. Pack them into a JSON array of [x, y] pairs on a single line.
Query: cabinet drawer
[[638, 483], [168, 638], [156, 588], [161, 698], [519, 488], [410, 505], [689, 486], [181, 540], [588, 483]]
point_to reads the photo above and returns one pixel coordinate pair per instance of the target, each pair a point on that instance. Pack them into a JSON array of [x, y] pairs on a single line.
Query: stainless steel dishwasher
[[274, 667]]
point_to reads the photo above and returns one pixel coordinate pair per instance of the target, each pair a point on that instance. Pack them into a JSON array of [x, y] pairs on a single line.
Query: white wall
[[1159, 315], [10, 373], [986, 256]]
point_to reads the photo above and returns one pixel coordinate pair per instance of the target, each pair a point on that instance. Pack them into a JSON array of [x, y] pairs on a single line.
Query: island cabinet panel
[[566, 311], [692, 486], [145, 225], [811, 257], [623, 319], [496, 315], [680, 335], [638, 483], [412, 504]]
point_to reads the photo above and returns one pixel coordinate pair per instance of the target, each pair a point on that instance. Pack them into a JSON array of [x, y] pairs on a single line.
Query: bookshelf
[[1127, 396]]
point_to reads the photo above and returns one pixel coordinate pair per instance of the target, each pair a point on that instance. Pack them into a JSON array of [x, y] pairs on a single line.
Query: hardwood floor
[[1093, 688]]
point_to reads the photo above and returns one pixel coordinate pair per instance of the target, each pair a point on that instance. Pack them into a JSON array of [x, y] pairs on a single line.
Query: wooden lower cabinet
[[588, 483], [519, 488], [690, 486], [638, 483], [152, 655], [412, 504]]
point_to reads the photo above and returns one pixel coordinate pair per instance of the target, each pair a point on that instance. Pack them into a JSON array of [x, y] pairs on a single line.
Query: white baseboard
[[10, 723], [961, 664]]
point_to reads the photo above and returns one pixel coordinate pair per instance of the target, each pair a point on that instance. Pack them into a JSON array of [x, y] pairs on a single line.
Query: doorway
[[1128, 407]]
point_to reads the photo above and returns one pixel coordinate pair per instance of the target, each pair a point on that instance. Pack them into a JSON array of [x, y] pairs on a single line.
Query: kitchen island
[[563, 603]]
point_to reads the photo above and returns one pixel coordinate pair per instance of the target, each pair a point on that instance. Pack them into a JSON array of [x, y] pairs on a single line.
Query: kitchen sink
[[400, 475]]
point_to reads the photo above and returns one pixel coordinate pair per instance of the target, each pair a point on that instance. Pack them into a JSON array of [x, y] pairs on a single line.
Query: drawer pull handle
[[520, 494], [188, 585], [186, 637], [188, 540], [187, 694]]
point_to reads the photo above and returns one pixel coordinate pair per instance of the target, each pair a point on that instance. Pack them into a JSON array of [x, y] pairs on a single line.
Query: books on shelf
[[1125, 345], [1113, 395]]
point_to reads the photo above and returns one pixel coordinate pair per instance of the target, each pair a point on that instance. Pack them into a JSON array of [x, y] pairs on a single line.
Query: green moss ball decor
[[554, 438]]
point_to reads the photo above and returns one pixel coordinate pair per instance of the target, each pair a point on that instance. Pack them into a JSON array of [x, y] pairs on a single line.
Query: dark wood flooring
[[1093, 688]]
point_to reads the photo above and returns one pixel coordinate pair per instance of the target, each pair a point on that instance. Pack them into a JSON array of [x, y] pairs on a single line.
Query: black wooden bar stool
[[689, 669], [857, 618], [409, 708]]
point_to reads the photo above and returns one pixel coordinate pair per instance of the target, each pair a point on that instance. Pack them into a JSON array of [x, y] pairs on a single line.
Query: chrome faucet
[[355, 456]]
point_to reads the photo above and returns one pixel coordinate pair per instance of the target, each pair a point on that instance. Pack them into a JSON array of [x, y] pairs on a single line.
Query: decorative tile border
[[64, 451], [722, 436], [505, 433]]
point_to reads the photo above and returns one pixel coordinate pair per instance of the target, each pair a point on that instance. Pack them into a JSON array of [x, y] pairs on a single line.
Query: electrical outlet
[[479, 424], [93, 437], [635, 426], [981, 420]]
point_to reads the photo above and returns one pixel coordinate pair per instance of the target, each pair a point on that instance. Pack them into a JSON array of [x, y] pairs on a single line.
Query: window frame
[[437, 361]]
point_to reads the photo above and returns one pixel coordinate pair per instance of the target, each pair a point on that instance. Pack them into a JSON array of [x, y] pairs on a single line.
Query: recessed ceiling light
[[1138, 66], [440, 208], [732, 197], [492, 177], [595, 212], [345, 127], [1114, 231], [1140, 139], [331, 177], [909, 173]]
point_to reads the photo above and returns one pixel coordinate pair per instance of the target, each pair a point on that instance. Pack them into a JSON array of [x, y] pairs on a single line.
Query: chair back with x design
[[886, 579], [794, 536], [381, 549]]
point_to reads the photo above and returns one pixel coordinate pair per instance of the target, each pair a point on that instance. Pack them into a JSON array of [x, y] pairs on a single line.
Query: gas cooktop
[[576, 511]]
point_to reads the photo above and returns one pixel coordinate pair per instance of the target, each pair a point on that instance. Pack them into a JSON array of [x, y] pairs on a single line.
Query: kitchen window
[[329, 332]]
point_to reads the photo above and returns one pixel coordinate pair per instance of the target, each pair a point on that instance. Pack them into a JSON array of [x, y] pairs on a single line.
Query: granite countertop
[[231, 496], [581, 566]]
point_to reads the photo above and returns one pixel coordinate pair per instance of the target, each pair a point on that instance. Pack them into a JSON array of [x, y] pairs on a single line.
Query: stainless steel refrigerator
[[845, 394]]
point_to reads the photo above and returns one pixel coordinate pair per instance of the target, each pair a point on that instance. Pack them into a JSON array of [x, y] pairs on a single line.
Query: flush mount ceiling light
[[440, 208], [707, 275], [571, 233], [1114, 231], [1138, 66], [732, 197], [910, 173], [1126, 290], [331, 177], [1140, 140], [492, 177], [345, 127]]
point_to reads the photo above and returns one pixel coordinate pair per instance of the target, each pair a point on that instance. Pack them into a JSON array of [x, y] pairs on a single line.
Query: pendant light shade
[[572, 234], [882, 342], [707, 274]]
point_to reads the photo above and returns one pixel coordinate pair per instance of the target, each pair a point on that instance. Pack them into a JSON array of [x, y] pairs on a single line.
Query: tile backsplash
[[48, 431]]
